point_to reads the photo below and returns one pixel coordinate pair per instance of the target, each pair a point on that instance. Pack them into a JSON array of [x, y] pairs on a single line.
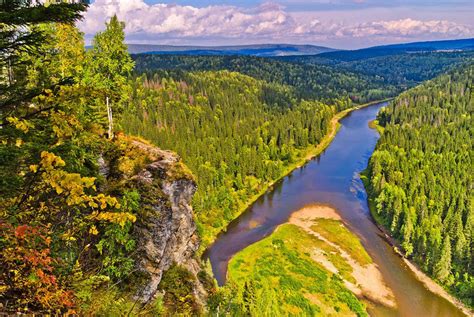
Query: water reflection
[[333, 179]]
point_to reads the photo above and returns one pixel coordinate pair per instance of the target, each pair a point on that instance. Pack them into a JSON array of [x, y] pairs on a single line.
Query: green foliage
[[107, 66], [228, 135], [421, 177], [111, 302], [310, 82], [178, 285], [277, 276], [54, 217], [20, 36], [117, 242]]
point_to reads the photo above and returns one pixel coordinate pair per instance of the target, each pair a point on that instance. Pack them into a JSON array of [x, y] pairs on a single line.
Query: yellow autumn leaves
[[73, 187]]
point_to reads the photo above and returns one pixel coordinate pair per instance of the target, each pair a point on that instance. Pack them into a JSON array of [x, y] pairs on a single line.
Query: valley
[[184, 175], [331, 179]]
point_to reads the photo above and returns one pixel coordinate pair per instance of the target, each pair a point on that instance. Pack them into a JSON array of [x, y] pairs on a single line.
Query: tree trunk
[[110, 118]]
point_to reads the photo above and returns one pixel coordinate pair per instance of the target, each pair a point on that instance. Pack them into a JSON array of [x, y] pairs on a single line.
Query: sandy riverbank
[[427, 281], [369, 281], [307, 155]]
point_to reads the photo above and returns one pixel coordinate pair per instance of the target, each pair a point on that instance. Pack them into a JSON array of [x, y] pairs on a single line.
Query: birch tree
[[107, 67]]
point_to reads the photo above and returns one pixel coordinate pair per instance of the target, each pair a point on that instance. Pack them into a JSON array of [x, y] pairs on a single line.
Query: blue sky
[[334, 23]]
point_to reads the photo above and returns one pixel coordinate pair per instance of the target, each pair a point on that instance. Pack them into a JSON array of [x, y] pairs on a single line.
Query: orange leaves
[[20, 231], [27, 268]]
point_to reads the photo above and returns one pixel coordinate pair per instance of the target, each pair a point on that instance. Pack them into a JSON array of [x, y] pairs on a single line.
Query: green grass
[[335, 231], [281, 265], [209, 235]]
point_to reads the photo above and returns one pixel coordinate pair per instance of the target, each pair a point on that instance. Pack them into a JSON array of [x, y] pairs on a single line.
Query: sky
[[343, 24]]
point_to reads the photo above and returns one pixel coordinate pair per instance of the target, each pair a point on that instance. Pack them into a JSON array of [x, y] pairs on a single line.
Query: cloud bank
[[268, 22]]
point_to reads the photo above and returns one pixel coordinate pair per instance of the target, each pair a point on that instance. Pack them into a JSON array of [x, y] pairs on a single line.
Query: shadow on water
[[333, 178]]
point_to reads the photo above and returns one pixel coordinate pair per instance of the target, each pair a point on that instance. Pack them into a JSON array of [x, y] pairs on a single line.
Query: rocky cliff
[[165, 230]]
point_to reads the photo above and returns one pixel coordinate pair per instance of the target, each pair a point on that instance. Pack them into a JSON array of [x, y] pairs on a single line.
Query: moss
[[180, 171], [207, 281], [178, 285]]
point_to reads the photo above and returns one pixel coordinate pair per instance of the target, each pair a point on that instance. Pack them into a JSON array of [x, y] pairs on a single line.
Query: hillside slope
[[310, 82], [236, 134], [421, 177]]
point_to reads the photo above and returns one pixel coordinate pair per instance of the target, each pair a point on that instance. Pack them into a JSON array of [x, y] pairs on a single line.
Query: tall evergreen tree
[[20, 35], [442, 268]]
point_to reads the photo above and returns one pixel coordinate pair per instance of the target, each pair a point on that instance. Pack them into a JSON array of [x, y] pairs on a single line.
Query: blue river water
[[333, 179]]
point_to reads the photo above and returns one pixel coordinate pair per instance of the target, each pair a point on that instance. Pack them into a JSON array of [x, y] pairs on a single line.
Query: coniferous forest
[[421, 177], [318, 82], [118, 171], [236, 133]]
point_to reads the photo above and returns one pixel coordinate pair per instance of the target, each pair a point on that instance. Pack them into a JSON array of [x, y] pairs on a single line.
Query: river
[[333, 178]]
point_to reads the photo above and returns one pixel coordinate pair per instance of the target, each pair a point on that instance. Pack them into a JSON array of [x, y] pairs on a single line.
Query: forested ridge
[[402, 70], [315, 82], [70, 171], [236, 133], [421, 177]]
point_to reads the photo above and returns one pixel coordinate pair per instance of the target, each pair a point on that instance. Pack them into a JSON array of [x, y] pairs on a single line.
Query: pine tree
[[21, 35], [249, 299]]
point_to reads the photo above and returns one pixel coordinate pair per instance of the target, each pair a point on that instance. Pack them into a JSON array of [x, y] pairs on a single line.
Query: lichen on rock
[[165, 230]]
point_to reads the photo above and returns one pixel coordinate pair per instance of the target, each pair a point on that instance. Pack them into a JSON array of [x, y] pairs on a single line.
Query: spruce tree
[[442, 268], [20, 35]]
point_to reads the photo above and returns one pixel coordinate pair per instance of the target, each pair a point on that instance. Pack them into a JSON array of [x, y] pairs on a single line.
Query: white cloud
[[187, 21], [407, 28], [268, 22]]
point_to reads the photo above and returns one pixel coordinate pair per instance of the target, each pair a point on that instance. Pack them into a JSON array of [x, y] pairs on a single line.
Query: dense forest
[[421, 177], [236, 133], [402, 70], [70, 201], [310, 82], [65, 231]]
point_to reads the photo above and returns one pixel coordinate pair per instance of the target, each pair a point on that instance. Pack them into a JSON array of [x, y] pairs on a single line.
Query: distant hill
[[396, 49], [264, 50]]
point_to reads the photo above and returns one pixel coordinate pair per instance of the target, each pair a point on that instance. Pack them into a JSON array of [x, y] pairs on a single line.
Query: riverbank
[[426, 280], [365, 280], [304, 157], [302, 269]]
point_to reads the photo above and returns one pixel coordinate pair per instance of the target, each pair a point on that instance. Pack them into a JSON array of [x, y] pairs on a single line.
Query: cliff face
[[165, 230]]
